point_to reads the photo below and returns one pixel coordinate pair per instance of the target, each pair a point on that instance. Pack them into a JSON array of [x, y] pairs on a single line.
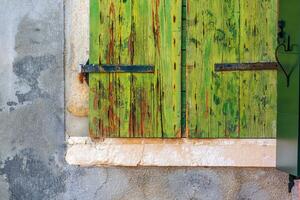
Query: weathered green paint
[[258, 89], [230, 104], [185, 96], [141, 33]]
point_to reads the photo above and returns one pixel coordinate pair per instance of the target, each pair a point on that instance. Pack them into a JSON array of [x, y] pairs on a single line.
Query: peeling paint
[[30, 178], [28, 70]]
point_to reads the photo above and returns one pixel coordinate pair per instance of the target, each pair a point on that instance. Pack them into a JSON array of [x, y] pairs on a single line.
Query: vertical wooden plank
[[215, 95], [247, 78], [113, 56], [110, 53], [269, 88], [170, 72], [191, 28], [94, 58], [225, 94], [258, 89], [198, 79], [213, 98], [124, 57], [141, 103]]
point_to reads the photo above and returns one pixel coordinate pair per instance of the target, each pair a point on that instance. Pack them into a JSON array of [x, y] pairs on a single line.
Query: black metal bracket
[[219, 67], [282, 36], [86, 69], [107, 68], [281, 32], [284, 42]]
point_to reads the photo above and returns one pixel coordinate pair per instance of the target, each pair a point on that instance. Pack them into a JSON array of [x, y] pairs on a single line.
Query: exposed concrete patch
[[252, 191], [195, 184], [39, 125], [11, 103], [30, 36], [30, 178], [38, 33], [28, 70], [9, 21], [83, 189], [169, 183], [4, 187], [164, 152]]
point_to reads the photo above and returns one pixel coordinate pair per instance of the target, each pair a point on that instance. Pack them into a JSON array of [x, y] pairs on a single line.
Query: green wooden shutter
[[185, 96], [231, 104], [136, 32]]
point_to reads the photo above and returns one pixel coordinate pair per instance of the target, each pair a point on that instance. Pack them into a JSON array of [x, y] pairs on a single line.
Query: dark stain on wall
[[195, 184], [30, 178], [28, 70], [12, 103]]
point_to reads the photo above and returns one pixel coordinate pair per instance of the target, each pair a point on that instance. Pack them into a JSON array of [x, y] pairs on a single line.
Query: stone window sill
[[172, 152]]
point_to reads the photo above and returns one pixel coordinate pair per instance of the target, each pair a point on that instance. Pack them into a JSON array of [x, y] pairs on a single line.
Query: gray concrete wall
[[32, 147]]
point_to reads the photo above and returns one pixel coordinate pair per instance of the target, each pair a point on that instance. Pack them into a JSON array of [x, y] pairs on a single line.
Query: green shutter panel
[[230, 104], [135, 32]]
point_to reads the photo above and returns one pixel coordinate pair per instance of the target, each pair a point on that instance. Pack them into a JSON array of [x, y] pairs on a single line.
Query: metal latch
[[246, 66]]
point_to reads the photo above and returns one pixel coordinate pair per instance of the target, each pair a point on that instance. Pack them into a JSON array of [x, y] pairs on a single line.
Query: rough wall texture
[[32, 148]]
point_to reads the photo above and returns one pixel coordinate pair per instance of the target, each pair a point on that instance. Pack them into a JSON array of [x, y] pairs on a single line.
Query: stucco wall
[[32, 138]]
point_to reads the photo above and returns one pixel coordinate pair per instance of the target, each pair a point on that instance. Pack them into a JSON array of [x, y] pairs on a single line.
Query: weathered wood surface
[[258, 90], [140, 32], [230, 104]]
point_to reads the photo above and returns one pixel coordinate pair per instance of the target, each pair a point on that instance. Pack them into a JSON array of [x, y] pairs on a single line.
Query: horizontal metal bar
[[94, 68], [246, 66]]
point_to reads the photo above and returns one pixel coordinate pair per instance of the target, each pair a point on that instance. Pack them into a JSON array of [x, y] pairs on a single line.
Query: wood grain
[[218, 105], [230, 104], [141, 33]]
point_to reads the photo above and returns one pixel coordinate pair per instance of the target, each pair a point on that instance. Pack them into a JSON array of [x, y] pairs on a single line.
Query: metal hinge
[[111, 68], [86, 69]]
